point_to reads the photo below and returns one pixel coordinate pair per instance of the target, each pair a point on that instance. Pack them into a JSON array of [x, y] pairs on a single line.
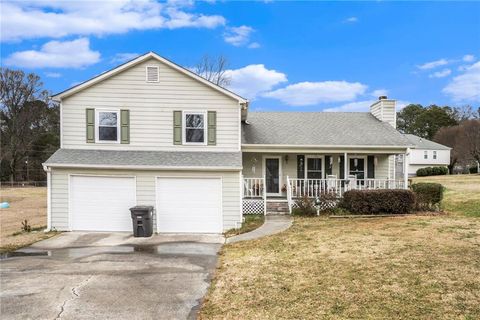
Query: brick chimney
[[385, 110]]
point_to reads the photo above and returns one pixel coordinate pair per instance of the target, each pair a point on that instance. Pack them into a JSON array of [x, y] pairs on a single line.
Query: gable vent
[[152, 74]]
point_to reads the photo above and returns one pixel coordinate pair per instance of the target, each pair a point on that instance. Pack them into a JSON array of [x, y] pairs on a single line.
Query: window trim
[[314, 157], [425, 155], [434, 157], [97, 125], [146, 73], [184, 128]]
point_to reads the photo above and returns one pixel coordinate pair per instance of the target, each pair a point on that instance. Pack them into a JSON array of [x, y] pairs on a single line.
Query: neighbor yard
[[412, 267], [25, 203]]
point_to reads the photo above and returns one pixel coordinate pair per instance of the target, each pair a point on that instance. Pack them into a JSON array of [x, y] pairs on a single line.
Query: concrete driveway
[[108, 276]]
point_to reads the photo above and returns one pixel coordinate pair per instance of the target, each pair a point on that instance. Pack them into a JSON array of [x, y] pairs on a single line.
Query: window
[[425, 154], [194, 131], [108, 125], [314, 168], [435, 155]]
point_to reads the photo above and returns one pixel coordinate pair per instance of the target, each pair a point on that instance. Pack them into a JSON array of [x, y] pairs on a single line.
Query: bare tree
[[469, 139], [213, 69], [449, 137], [23, 116]]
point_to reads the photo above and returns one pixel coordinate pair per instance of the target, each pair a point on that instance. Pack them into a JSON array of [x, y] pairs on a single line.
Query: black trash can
[[142, 219]]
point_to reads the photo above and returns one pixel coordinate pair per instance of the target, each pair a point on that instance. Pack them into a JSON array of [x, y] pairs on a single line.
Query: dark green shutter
[[371, 167], [212, 128], [124, 126], [177, 127], [300, 166], [342, 167], [328, 165], [90, 121]]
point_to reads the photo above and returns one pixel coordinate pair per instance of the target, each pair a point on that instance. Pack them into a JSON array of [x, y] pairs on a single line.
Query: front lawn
[[409, 267], [250, 223]]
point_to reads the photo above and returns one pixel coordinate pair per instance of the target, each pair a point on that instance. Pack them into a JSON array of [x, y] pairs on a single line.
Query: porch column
[[345, 166], [405, 168]]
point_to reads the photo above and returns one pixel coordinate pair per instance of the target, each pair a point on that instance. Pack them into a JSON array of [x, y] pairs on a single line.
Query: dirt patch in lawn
[[383, 268], [25, 203]]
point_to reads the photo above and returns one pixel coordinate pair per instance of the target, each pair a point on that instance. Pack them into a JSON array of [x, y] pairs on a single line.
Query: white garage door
[[101, 203], [189, 205]]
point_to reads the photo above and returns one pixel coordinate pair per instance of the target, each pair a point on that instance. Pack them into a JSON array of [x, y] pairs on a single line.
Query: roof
[[422, 143], [352, 129], [145, 159], [141, 59]]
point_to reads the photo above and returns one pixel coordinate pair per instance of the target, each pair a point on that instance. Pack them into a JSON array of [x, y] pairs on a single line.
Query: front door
[[272, 175], [357, 167]]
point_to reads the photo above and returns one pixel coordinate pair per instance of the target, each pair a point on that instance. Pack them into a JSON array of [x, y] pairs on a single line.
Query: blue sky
[[285, 56]]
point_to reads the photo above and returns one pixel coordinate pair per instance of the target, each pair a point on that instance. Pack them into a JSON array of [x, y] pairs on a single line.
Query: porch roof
[[320, 129], [145, 159]]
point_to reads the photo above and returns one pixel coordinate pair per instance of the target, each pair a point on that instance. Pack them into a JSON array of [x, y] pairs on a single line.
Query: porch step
[[277, 207]]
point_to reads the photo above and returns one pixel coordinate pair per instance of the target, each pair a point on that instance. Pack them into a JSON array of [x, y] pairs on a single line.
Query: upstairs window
[[108, 124], [194, 128], [425, 154], [435, 155], [152, 74]]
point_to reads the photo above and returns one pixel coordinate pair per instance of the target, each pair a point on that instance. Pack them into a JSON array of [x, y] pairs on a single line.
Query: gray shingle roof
[[320, 128], [101, 158], [422, 143]]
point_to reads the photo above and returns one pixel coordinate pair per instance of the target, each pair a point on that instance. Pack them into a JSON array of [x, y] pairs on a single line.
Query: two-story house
[[151, 132]]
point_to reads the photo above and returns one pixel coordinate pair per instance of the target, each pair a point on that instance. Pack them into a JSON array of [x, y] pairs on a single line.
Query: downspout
[[49, 197]]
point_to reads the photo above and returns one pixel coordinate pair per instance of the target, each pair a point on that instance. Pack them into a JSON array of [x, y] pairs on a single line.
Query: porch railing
[[254, 194]]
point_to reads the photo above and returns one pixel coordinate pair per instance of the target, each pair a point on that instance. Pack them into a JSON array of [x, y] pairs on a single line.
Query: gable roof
[[334, 129], [141, 59], [422, 143]]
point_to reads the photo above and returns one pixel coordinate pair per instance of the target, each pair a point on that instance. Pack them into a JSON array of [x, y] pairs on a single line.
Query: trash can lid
[[142, 208]]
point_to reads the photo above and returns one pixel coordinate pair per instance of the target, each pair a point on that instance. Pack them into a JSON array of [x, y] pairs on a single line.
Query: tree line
[[454, 127]]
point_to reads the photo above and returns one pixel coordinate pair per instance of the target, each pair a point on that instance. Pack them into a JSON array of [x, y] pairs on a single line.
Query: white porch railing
[[254, 194]]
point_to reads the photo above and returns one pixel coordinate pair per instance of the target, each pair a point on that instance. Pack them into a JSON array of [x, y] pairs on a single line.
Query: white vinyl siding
[[151, 108], [146, 193]]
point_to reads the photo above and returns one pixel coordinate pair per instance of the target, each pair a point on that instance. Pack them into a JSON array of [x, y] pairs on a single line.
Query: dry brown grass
[[462, 194], [25, 203], [412, 267]]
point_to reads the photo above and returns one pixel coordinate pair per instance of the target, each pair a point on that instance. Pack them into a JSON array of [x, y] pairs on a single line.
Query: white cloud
[[53, 74], [465, 87], [254, 79], [57, 19], [56, 54], [440, 74], [351, 20], [124, 57], [238, 36], [362, 106], [433, 64], [379, 92], [468, 58], [311, 93], [254, 45]]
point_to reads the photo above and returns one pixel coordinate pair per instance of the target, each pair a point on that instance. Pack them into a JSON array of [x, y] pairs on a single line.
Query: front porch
[[287, 177]]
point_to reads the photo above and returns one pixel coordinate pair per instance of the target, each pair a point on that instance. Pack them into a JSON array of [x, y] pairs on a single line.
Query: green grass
[[252, 222]]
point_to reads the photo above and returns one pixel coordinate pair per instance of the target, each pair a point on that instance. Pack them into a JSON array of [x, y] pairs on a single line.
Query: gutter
[[47, 166]]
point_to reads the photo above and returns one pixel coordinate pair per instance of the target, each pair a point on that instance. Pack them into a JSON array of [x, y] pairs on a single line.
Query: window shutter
[[90, 121], [177, 127], [212, 128], [371, 167], [342, 167], [124, 126], [328, 165]]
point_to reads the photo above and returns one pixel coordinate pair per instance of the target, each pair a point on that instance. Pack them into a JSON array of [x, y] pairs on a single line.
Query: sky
[[283, 56]]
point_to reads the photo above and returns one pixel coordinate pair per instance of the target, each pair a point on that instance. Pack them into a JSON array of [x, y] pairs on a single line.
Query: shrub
[[473, 170], [305, 206], [428, 195], [432, 171], [378, 201]]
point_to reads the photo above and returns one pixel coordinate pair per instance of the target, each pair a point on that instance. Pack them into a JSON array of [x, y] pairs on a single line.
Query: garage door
[[101, 203], [189, 205]]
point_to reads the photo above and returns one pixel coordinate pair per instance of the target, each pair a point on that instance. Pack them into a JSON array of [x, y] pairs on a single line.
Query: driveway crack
[[75, 294]]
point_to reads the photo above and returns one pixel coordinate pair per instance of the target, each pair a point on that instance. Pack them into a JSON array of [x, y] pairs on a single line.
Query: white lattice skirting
[[253, 206]]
